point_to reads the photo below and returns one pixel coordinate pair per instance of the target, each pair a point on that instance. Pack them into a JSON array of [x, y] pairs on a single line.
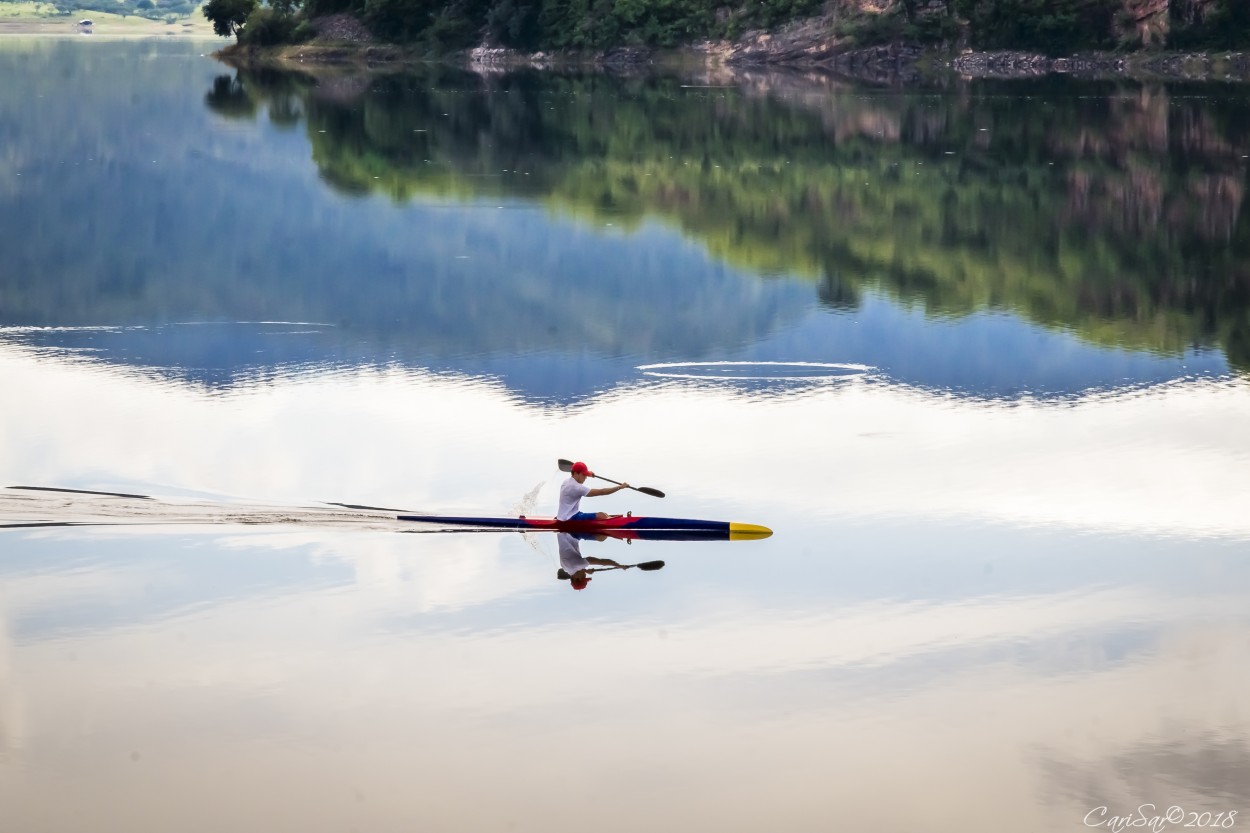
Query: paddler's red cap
[[580, 468], [579, 582]]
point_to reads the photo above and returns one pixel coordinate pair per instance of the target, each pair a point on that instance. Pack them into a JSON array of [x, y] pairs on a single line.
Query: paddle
[[567, 465]]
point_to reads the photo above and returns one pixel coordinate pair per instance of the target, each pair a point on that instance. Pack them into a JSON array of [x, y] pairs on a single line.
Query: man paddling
[[575, 567], [574, 489]]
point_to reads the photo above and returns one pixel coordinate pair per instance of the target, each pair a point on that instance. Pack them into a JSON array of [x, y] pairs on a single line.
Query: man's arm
[[603, 562], [606, 490]]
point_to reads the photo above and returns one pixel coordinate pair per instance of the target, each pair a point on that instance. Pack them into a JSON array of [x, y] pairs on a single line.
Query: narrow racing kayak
[[617, 526]]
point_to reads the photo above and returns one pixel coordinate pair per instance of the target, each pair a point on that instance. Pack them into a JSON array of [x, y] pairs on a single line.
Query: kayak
[[619, 526]]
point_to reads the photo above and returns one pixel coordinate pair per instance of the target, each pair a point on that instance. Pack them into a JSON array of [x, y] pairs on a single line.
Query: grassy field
[[44, 19]]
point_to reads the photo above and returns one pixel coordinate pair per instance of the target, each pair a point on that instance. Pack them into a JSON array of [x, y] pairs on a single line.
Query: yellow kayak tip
[[747, 532]]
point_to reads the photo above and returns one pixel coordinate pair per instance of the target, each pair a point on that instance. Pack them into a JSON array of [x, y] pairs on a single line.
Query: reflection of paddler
[[575, 567]]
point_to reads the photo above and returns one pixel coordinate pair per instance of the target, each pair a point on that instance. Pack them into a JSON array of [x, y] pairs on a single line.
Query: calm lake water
[[977, 352]]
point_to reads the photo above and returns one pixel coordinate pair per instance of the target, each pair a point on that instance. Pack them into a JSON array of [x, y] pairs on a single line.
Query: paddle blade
[[567, 465], [650, 565]]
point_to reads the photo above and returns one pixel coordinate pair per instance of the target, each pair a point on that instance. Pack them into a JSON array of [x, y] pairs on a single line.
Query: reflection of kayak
[[621, 526]]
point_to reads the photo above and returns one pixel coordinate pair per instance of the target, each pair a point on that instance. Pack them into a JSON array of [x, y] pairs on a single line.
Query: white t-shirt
[[571, 494]]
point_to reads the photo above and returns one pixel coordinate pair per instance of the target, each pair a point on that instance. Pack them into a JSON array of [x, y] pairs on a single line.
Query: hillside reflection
[[1113, 210], [570, 236]]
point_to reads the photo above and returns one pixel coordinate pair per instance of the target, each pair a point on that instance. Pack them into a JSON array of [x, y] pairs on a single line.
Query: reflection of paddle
[[646, 565], [567, 465]]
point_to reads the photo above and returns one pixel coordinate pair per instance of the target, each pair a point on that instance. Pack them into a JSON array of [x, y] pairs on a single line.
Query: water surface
[[976, 353]]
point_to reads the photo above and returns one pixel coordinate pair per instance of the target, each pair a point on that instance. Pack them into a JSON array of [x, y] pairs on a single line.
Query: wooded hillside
[[1052, 26]]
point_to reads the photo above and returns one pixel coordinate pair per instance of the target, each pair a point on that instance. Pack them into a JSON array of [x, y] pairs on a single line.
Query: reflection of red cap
[[580, 468], [579, 582]]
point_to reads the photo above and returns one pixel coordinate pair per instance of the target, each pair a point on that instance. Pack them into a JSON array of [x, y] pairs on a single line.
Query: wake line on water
[[130, 328], [39, 507]]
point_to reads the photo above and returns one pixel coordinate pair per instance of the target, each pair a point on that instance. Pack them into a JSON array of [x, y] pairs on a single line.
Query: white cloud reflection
[[309, 709], [1167, 460], [12, 719], [465, 572]]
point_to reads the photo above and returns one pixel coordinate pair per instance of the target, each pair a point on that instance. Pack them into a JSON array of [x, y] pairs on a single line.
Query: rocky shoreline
[[894, 62], [807, 46], [1198, 66]]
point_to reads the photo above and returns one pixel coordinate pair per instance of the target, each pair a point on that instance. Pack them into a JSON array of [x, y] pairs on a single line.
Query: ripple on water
[[767, 371]]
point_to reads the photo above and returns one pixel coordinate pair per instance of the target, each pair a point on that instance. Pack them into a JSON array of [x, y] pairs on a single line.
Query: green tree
[[1222, 24], [266, 26], [400, 20], [228, 16], [1054, 26]]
